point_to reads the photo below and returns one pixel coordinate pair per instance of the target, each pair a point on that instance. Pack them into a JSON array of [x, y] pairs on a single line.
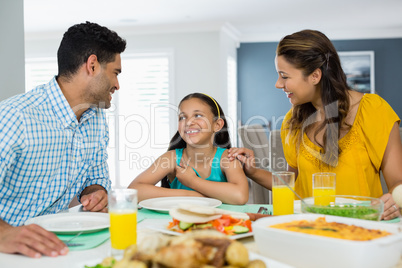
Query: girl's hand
[[185, 174], [245, 156], [391, 210]]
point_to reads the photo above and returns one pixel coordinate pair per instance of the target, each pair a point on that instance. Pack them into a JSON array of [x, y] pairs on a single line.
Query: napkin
[[151, 214], [88, 240], [395, 220], [249, 208]]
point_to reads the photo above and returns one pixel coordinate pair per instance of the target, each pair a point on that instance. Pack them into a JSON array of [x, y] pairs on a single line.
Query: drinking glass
[[283, 197], [123, 219], [324, 188]]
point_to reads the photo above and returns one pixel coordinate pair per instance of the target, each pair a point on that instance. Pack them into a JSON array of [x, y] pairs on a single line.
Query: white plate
[[164, 204], [69, 223], [161, 226], [270, 263]]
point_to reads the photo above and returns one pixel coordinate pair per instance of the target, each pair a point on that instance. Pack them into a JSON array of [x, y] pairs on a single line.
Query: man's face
[[104, 84]]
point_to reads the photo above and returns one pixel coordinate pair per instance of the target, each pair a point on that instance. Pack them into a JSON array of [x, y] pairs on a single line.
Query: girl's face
[[298, 88], [196, 122]]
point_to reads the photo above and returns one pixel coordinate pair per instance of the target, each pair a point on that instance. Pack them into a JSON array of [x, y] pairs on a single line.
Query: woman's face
[[298, 88]]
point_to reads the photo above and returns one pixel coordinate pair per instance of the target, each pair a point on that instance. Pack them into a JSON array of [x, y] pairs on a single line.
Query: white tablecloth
[[78, 259]]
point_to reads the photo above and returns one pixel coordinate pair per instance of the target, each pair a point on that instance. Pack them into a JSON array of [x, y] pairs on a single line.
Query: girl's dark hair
[[221, 139], [309, 50]]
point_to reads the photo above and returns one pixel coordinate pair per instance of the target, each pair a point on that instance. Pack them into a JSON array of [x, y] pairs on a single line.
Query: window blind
[[139, 117]]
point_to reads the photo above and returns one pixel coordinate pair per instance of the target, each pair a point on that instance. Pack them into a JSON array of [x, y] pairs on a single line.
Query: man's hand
[[94, 198], [30, 240]]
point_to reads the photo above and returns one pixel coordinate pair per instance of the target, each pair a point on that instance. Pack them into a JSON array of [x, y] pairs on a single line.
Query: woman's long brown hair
[[307, 51]]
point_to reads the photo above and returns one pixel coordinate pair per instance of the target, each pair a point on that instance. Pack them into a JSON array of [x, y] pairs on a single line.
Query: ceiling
[[248, 20]]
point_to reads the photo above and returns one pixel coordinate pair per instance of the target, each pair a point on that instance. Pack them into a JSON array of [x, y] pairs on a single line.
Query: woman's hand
[[391, 209], [246, 157]]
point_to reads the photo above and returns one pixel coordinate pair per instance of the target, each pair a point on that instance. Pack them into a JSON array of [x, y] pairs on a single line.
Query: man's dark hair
[[82, 40]]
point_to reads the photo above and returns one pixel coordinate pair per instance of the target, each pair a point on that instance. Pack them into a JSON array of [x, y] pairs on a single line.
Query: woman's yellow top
[[362, 151]]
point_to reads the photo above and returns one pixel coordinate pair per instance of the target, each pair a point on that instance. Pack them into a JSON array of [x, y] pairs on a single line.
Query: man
[[53, 141]]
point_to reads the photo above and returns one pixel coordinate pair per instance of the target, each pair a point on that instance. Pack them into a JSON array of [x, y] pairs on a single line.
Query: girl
[[331, 127], [196, 162]]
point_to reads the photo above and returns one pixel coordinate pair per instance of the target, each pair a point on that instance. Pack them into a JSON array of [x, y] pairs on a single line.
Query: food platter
[[253, 256], [279, 244], [164, 204], [161, 226], [70, 223]]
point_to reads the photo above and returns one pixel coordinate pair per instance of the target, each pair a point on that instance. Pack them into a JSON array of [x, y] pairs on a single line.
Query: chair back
[[254, 137], [277, 161]]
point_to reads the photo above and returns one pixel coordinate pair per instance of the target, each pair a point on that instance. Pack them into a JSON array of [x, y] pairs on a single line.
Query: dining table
[[147, 221]]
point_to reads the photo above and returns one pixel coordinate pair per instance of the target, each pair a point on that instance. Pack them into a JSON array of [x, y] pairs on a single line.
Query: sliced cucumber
[[203, 225], [185, 225], [237, 229]]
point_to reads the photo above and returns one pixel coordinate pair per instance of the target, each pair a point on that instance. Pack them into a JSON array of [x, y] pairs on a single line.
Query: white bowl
[[305, 250], [351, 206]]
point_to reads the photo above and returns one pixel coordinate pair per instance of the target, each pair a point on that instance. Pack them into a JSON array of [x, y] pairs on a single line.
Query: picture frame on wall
[[359, 69]]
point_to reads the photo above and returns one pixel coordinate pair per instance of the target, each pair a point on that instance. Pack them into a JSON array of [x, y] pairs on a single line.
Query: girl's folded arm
[[234, 191], [146, 182]]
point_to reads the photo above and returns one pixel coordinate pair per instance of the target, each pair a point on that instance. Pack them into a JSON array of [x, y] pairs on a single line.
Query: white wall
[[12, 68], [228, 48], [199, 58], [196, 62]]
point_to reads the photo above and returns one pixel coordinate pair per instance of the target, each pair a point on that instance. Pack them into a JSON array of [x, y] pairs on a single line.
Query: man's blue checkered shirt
[[46, 156]]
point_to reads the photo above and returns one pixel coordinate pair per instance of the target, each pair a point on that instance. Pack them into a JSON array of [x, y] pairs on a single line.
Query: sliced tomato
[[224, 222], [217, 224], [247, 223]]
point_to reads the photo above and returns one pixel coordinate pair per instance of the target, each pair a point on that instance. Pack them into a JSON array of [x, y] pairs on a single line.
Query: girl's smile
[[196, 122], [192, 131]]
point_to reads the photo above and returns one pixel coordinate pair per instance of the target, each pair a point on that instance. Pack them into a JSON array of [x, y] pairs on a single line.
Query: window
[[39, 71], [232, 99], [139, 116]]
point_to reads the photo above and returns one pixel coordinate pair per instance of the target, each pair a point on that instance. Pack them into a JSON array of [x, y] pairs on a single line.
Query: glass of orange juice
[[283, 197], [324, 184], [123, 219]]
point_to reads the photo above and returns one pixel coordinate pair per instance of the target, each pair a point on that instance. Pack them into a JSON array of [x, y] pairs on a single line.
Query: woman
[[331, 128]]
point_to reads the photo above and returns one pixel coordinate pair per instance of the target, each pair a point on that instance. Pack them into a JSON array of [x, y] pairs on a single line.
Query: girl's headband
[[217, 107]]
